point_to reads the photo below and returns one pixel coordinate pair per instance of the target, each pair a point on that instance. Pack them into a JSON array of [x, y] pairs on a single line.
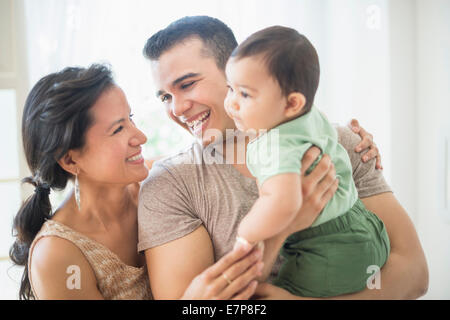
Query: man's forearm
[[173, 265], [396, 283]]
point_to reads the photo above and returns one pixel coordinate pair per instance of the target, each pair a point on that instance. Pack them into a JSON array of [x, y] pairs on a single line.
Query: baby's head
[[272, 78]]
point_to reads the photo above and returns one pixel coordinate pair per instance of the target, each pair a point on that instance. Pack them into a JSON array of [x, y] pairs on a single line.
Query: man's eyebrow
[[184, 77], [178, 80]]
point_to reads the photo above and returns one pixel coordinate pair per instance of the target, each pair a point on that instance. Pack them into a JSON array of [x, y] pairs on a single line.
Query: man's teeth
[[138, 157], [195, 123]]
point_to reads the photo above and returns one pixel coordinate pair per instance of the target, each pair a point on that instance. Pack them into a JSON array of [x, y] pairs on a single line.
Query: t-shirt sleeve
[[369, 181], [164, 211]]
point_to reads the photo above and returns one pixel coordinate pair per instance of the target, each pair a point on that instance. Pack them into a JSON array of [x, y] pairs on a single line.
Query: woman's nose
[[138, 138]]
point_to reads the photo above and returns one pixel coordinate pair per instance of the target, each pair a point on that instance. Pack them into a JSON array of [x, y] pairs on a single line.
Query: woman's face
[[112, 152]]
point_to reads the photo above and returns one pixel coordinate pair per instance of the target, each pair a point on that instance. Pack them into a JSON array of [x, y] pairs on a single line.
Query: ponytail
[[55, 120], [27, 223]]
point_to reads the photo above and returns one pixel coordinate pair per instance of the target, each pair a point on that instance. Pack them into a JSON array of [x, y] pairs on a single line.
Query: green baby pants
[[334, 258]]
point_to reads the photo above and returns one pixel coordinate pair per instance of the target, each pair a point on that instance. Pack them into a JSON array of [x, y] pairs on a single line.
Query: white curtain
[[351, 37]]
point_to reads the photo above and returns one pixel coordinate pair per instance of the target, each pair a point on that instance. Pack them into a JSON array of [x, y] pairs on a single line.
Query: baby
[[272, 79]]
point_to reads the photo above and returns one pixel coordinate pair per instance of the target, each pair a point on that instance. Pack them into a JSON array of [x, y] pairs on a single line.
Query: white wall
[[403, 106], [13, 77], [13, 66], [393, 75], [433, 118], [355, 68], [420, 115]]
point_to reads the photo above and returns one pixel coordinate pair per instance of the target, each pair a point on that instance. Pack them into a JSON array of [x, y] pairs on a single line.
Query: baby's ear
[[295, 103]]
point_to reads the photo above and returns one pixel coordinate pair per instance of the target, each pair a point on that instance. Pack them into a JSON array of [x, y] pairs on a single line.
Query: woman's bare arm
[[56, 267]]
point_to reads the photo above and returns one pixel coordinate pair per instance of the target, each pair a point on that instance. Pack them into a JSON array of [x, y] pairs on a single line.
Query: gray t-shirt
[[189, 189]]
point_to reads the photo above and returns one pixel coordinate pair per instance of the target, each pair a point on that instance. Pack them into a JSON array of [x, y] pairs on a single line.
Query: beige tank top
[[115, 279]]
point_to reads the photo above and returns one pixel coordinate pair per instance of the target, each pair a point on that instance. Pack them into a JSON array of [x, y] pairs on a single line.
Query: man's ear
[[68, 163], [295, 103]]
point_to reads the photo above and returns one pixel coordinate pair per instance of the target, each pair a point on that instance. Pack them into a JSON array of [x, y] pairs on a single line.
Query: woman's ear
[[295, 103], [68, 163]]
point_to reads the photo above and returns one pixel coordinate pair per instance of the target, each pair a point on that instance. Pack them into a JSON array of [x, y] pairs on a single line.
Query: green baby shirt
[[281, 149]]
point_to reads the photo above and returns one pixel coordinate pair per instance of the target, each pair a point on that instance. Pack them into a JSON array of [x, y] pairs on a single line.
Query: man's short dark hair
[[218, 39], [290, 58]]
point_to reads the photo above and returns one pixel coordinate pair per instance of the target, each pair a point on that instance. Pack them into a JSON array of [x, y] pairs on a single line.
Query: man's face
[[192, 89]]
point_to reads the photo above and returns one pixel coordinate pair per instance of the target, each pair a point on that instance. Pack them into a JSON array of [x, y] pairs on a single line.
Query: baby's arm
[[280, 198]]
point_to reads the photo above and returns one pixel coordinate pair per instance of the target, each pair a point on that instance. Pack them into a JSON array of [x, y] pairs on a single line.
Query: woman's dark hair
[[55, 120], [290, 58]]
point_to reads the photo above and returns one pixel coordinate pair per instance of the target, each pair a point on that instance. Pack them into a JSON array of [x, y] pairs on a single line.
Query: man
[[191, 204]]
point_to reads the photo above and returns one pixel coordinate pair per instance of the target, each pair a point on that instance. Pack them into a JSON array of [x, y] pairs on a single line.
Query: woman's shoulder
[[54, 246], [50, 251], [53, 260]]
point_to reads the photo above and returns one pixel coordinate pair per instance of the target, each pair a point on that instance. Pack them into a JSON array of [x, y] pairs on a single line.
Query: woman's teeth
[[135, 158], [199, 121]]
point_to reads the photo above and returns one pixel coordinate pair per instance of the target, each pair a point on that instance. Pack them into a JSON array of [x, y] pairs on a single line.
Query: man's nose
[[180, 106]]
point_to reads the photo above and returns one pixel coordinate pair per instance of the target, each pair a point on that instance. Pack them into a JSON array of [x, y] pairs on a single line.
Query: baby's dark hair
[[290, 58]]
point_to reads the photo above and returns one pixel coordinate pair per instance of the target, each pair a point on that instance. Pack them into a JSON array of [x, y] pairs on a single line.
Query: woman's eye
[[118, 130]]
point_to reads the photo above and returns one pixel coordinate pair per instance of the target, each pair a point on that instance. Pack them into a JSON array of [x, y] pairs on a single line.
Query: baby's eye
[[244, 94], [230, 89]]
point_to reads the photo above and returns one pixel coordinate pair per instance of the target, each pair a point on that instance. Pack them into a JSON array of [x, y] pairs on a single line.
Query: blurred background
[[385, 63]]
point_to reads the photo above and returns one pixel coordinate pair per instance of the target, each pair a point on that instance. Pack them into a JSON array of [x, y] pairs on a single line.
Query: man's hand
[[366, 142], [317, 189]]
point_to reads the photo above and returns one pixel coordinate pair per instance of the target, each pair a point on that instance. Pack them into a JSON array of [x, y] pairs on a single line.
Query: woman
[[77, 125]]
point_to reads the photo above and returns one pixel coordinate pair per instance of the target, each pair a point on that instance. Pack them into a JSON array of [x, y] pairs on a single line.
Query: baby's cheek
[[251, 120], [226, 104]]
